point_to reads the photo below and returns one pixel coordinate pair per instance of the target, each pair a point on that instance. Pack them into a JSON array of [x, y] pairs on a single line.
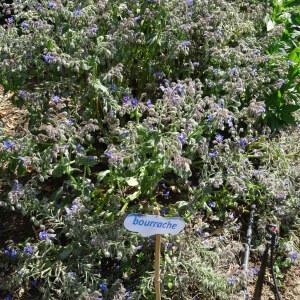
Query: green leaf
[[132, 181], [133, 196], [100, 87], [102, 175]]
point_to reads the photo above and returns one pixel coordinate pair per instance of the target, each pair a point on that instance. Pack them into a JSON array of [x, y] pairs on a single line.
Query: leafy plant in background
[[135, 105]]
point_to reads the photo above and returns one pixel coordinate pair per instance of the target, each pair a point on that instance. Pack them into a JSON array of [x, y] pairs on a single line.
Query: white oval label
[[148, 225]]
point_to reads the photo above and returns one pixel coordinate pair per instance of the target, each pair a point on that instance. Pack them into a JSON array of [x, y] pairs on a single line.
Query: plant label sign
[[148, 225]]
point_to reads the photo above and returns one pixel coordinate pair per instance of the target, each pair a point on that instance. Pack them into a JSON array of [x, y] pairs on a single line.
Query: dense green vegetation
[[189, 106]]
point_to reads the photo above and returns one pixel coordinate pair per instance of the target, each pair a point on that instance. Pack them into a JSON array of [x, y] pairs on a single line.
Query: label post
[[157, 262]]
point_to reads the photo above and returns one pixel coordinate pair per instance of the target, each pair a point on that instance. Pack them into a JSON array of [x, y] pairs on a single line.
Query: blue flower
[[8, 145], [159, 74], [213, 154], [43, 235], [134, 101], [189, 2], [219, 138], [8, 297], [182, 138], [79, 148], [290, 63], [293, 256], [51, 5], [243, 142], [10, 20], [127, 294], [34, 282], [229, 122], [25, 25], [210, 118], [211, 204], [70, 122], [93, 30], [280, 83], [125, 99], [48, 58], [11, 252], [22, 94], [77, 12], [28, 250], [166, 193], [185, 43], [164, 211], [234, 71], [149, 103], [232, 280], [254, 271], [72, 275], [55, 99], [108, 154], [103, 287], [17, 187]]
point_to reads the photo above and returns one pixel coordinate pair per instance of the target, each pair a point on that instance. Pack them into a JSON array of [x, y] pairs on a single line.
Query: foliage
[[136, 105]]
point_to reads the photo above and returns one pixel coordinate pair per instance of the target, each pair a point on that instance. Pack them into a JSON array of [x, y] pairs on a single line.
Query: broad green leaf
[[132, 181], [102, 175]]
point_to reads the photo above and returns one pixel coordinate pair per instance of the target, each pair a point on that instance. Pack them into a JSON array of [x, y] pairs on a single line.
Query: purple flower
[[48, 58], [166, 193], [149, 103], [55, 99], [103, 287], [229, 122], [25, 25], [77, 12], [211, 204], [231, 216], [232, 280], [219, 138], [17, 187], [34, 282], [164, 211], [210, 118], [182, 138], [108, 154], [11, 252], [79, 148], [213, 154], [51, 5], [22, 94], [234, 71], [293, 256], [10, 20], [43, 235], [127, 294], [8, 297], [158, 75], [189, 2], [280, 83], [185, 43], [290, 63], [72, 275], [8, 145], [93, 30], [28, 250], [134, 101], [254, 271], [125, 99], [137, 18], [243, 142], [70, 122]]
